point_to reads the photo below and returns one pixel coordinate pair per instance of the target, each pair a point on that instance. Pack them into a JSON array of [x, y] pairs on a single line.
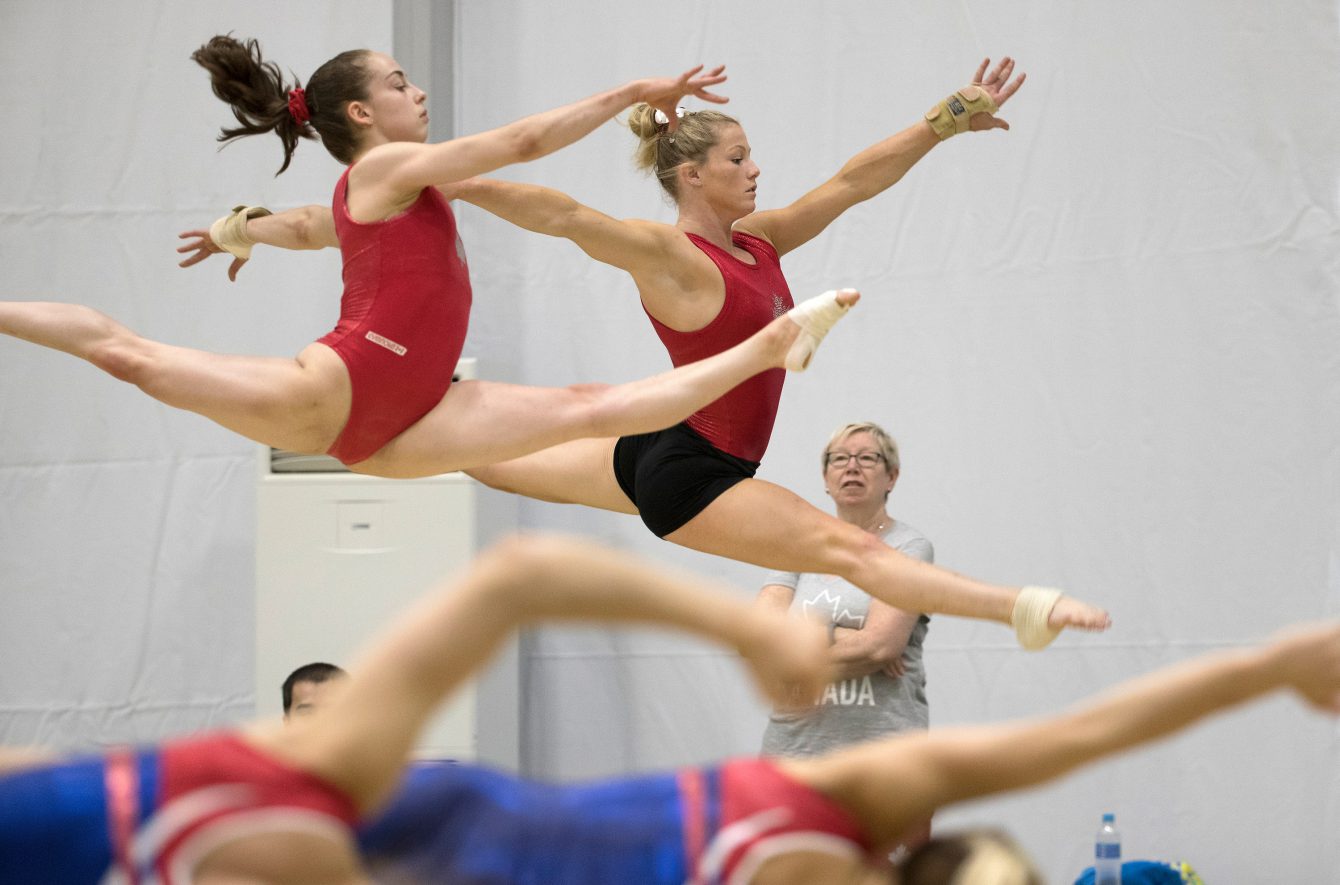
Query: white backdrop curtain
[[127, 530], [1107, 340]]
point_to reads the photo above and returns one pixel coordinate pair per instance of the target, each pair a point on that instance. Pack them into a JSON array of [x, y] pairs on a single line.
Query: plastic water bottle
[[1107, 853]]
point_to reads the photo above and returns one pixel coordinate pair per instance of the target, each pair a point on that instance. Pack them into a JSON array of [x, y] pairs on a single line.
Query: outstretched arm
[[361, 739], [405, 167], [677, 282], [14, 759], [307, 227], [634, 246], [874, 170], [891, 784]]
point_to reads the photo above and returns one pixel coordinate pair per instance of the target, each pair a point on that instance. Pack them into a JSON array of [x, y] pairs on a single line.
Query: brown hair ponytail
[[261, 102]]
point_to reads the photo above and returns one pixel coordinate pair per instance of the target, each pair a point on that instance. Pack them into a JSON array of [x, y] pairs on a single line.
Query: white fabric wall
[[1107, 341], [127, 529]]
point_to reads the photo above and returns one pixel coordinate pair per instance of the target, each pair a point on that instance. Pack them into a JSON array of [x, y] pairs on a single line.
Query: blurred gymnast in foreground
[[278, 803]]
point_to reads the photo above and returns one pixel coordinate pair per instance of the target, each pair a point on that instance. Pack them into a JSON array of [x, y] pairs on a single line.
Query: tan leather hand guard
[[229, 233], [951, 116]]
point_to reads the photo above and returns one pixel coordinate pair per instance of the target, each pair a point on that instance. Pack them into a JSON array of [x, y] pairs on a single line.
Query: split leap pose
[[709, 282], [276, 803], [376, 392]]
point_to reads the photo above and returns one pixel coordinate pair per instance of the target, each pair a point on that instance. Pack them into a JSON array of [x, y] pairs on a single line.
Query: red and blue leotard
[[403, 317], [704, 826], [749, 811], [152, 815]]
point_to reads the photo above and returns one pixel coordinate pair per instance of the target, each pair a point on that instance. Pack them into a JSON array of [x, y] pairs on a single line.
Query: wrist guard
[[229, 233], [951, 116]]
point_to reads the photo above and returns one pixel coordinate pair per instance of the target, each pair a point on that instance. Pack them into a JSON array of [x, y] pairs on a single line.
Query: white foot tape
[[815, 317], [1032, 607]]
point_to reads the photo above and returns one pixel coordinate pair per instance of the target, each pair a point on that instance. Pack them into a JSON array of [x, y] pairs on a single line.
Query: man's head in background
[[306, 688]]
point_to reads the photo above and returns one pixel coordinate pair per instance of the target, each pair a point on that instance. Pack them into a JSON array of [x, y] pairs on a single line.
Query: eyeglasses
[[865, 459]]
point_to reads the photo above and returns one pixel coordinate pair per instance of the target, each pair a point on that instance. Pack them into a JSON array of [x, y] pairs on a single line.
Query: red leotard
[[403, 317], [216, 788], [740, 422], [757, 813]]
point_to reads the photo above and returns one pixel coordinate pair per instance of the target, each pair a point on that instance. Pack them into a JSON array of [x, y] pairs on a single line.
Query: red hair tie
[[297, 106]]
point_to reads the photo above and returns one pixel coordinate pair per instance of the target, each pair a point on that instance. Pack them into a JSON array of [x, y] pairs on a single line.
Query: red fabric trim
[[122, 779], [691, 793]]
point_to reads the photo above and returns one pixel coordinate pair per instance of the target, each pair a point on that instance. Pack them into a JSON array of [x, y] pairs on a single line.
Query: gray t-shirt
[[866, 707]]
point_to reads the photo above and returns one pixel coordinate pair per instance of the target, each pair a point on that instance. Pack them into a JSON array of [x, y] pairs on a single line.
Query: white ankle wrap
[[1032, 607]]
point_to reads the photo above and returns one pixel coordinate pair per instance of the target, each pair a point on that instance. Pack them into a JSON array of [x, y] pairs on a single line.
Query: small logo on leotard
[[381, 340], [778, 305]]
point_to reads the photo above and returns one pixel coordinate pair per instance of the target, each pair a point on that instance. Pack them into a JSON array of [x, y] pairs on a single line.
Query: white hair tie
[[663, 120]]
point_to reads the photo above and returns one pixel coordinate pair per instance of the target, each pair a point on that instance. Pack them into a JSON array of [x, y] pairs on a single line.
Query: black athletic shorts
[[673, 474]]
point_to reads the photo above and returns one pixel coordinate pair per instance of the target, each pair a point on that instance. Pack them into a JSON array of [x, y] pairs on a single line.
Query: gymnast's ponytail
[[262, 102]]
